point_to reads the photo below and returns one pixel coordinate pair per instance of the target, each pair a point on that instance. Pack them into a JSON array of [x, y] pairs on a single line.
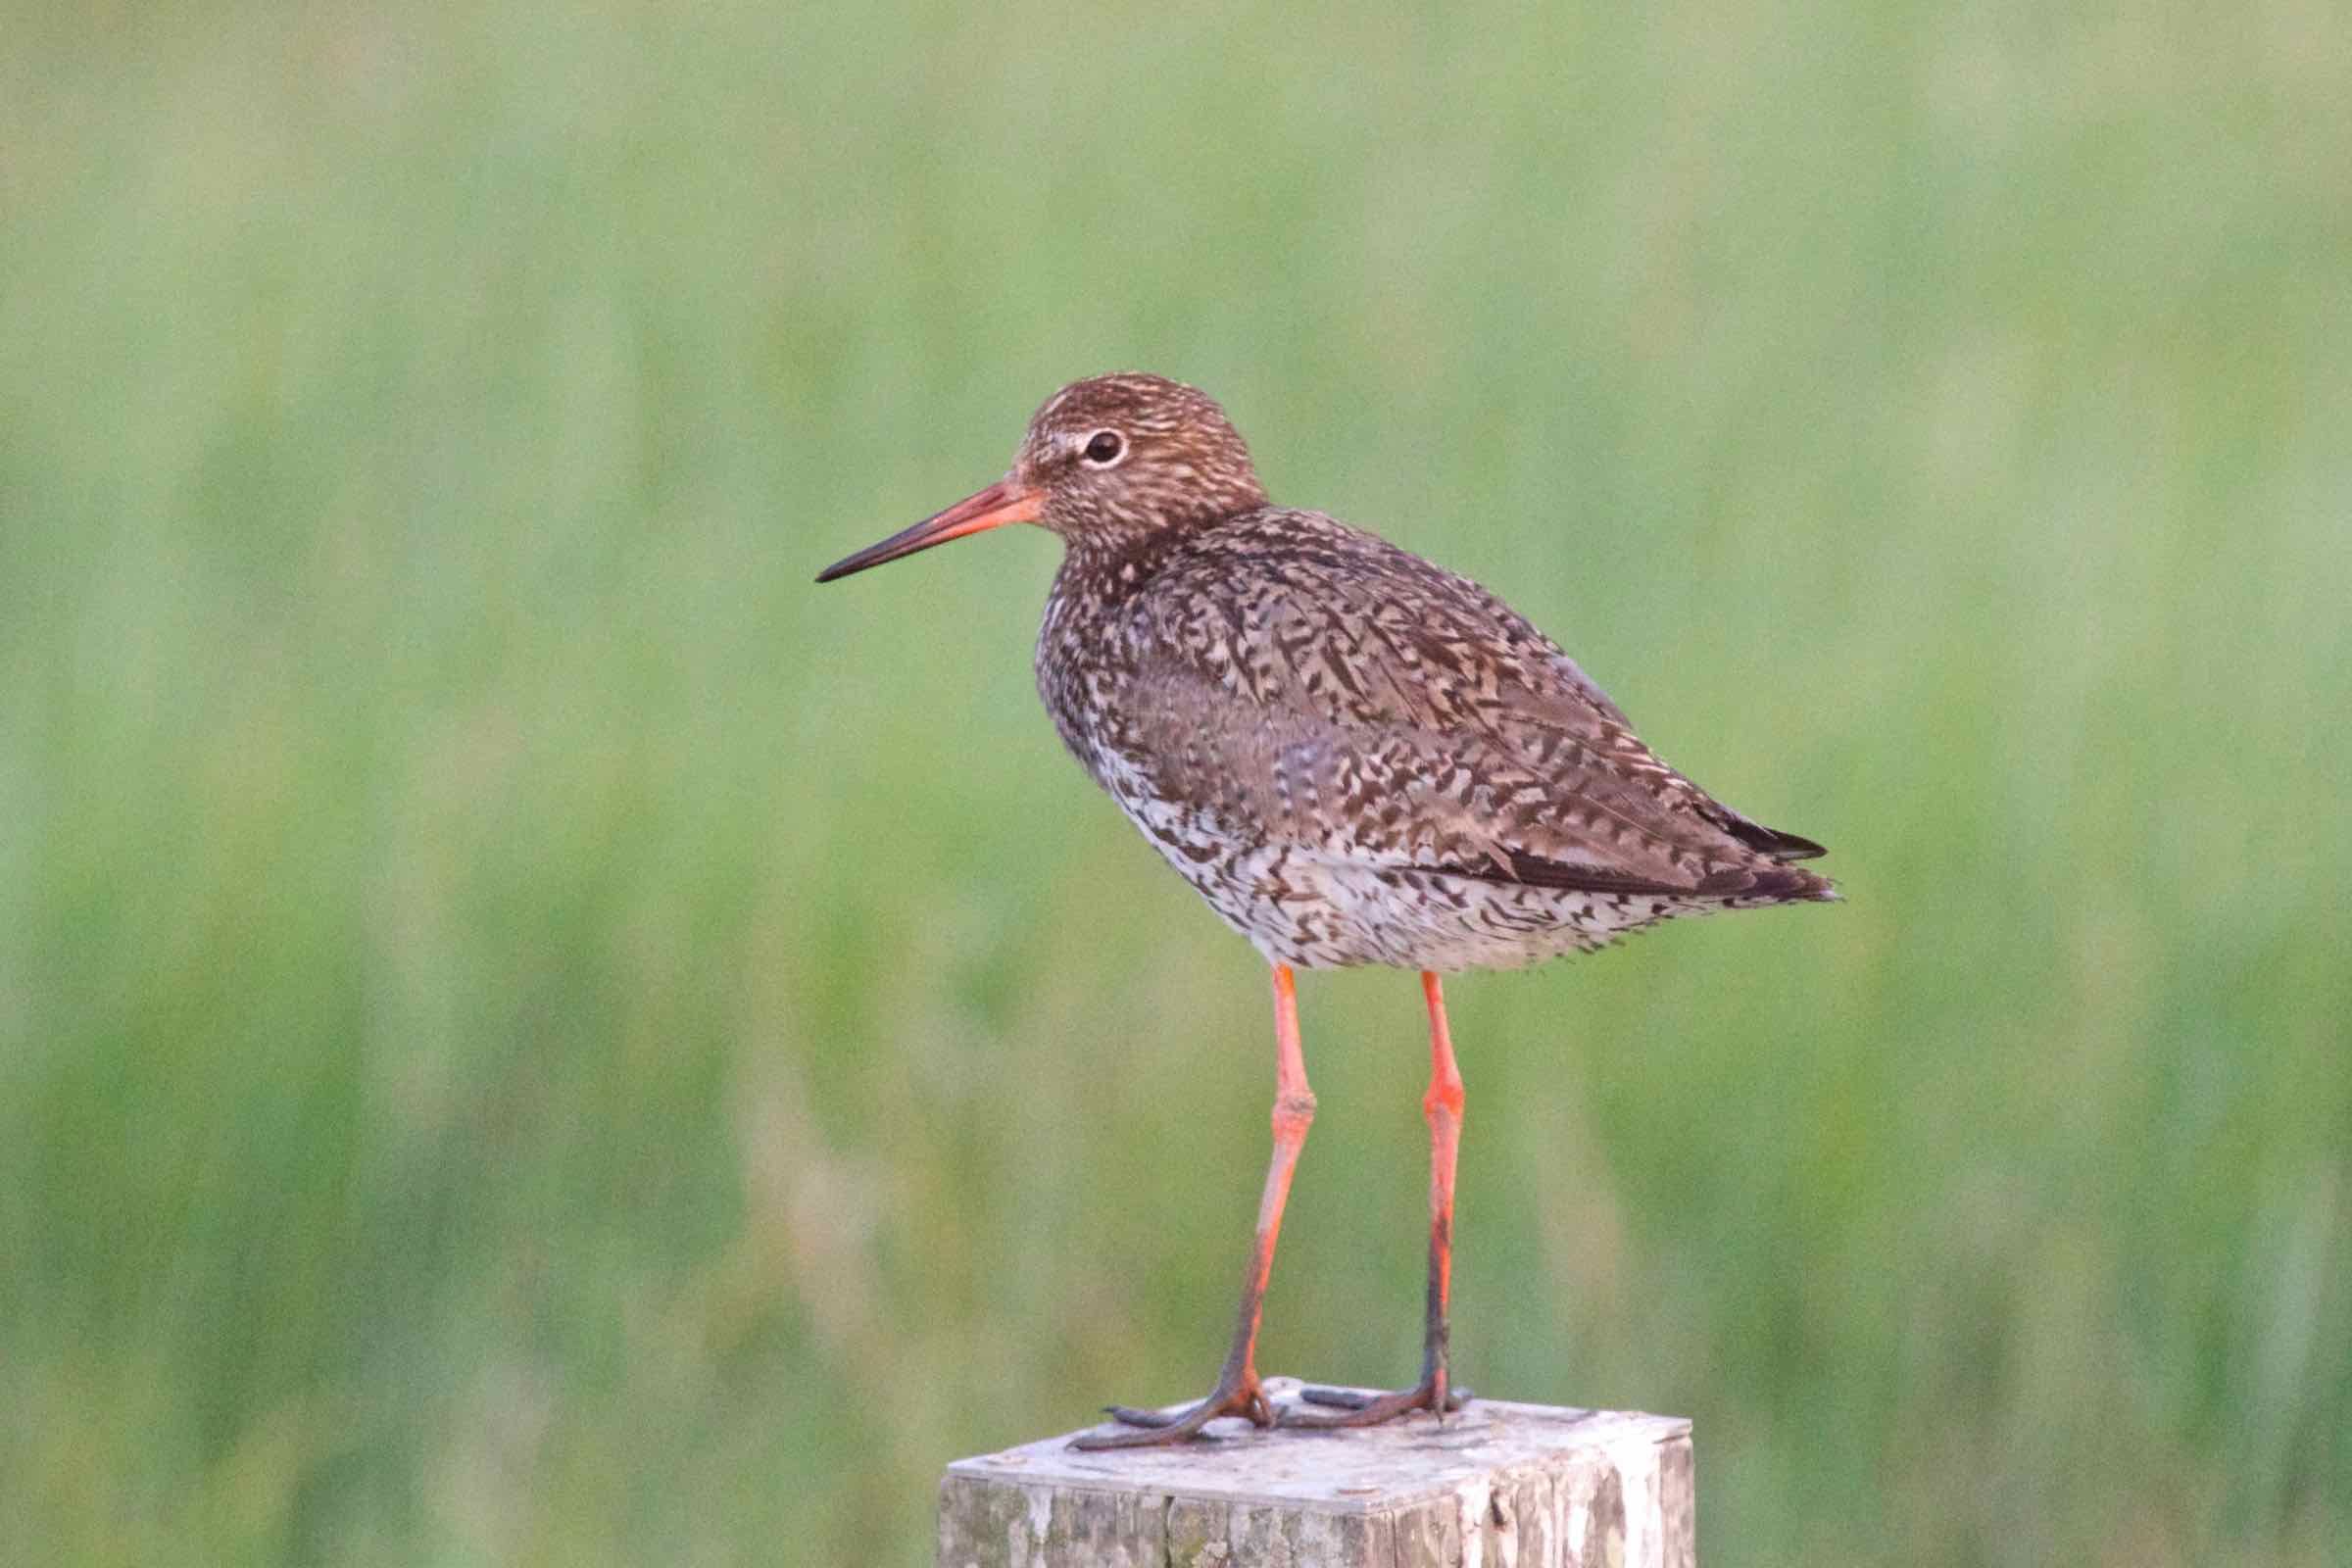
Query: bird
[[1356, 756]]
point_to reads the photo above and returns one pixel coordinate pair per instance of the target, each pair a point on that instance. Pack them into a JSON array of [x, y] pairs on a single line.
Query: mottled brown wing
[[1400, 716]]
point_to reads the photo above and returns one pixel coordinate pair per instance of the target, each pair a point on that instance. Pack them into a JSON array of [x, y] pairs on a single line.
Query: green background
[[529, 1033]]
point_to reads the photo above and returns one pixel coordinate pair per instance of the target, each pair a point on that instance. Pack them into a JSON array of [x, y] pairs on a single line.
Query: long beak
[[1000, 502]]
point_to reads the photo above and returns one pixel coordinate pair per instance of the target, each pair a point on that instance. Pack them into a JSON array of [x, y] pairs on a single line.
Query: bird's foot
[[1240, 1395], [1359, 1410]]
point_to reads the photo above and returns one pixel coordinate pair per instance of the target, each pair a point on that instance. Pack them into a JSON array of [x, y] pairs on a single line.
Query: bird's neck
[[1101, 570]]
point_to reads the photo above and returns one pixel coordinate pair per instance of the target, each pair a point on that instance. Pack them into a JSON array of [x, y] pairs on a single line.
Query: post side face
[[1679, 1503]]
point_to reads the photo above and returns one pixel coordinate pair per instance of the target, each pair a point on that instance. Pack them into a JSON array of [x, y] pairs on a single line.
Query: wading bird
[[1354, 756]]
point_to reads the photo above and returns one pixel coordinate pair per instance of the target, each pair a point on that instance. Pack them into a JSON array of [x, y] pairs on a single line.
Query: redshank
[[1354, 756]]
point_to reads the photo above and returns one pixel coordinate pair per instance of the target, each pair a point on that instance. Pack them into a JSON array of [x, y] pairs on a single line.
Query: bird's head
[[1107, 461]]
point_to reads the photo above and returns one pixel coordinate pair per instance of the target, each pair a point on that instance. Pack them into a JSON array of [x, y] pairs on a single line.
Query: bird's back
[[1359, 757]]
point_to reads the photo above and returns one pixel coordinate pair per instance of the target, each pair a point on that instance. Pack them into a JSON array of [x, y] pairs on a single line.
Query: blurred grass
[[532, 1035]]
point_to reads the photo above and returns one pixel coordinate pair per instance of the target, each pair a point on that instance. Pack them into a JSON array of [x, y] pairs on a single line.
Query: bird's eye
[[1103, 447]]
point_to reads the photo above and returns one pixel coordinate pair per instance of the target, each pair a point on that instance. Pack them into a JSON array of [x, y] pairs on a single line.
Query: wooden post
[[1498, 1486]]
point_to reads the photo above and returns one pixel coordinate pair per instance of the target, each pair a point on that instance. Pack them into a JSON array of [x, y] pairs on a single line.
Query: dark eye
[[1105, 447]]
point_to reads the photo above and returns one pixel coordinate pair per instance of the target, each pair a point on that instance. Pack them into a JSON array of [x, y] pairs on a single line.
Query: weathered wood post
[[1498, 1485]]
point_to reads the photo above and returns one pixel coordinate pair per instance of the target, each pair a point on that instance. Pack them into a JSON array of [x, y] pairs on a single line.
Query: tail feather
[[1774, 884]]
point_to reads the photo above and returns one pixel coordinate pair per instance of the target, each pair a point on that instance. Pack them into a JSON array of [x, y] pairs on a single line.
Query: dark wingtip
[[1790, 846], [1757, 836], [1773, 842]]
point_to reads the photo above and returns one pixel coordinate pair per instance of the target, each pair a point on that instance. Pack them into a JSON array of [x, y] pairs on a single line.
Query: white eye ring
[[1104, 449]]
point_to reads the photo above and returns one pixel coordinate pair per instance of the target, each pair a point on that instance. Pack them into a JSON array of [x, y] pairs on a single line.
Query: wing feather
[[1373, 706]]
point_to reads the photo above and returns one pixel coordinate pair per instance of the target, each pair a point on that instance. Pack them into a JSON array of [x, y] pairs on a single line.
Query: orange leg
[[1237, 1391], [1442, 1105]]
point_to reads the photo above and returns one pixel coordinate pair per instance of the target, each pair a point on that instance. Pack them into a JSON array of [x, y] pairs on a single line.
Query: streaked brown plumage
[[1356, 756]]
